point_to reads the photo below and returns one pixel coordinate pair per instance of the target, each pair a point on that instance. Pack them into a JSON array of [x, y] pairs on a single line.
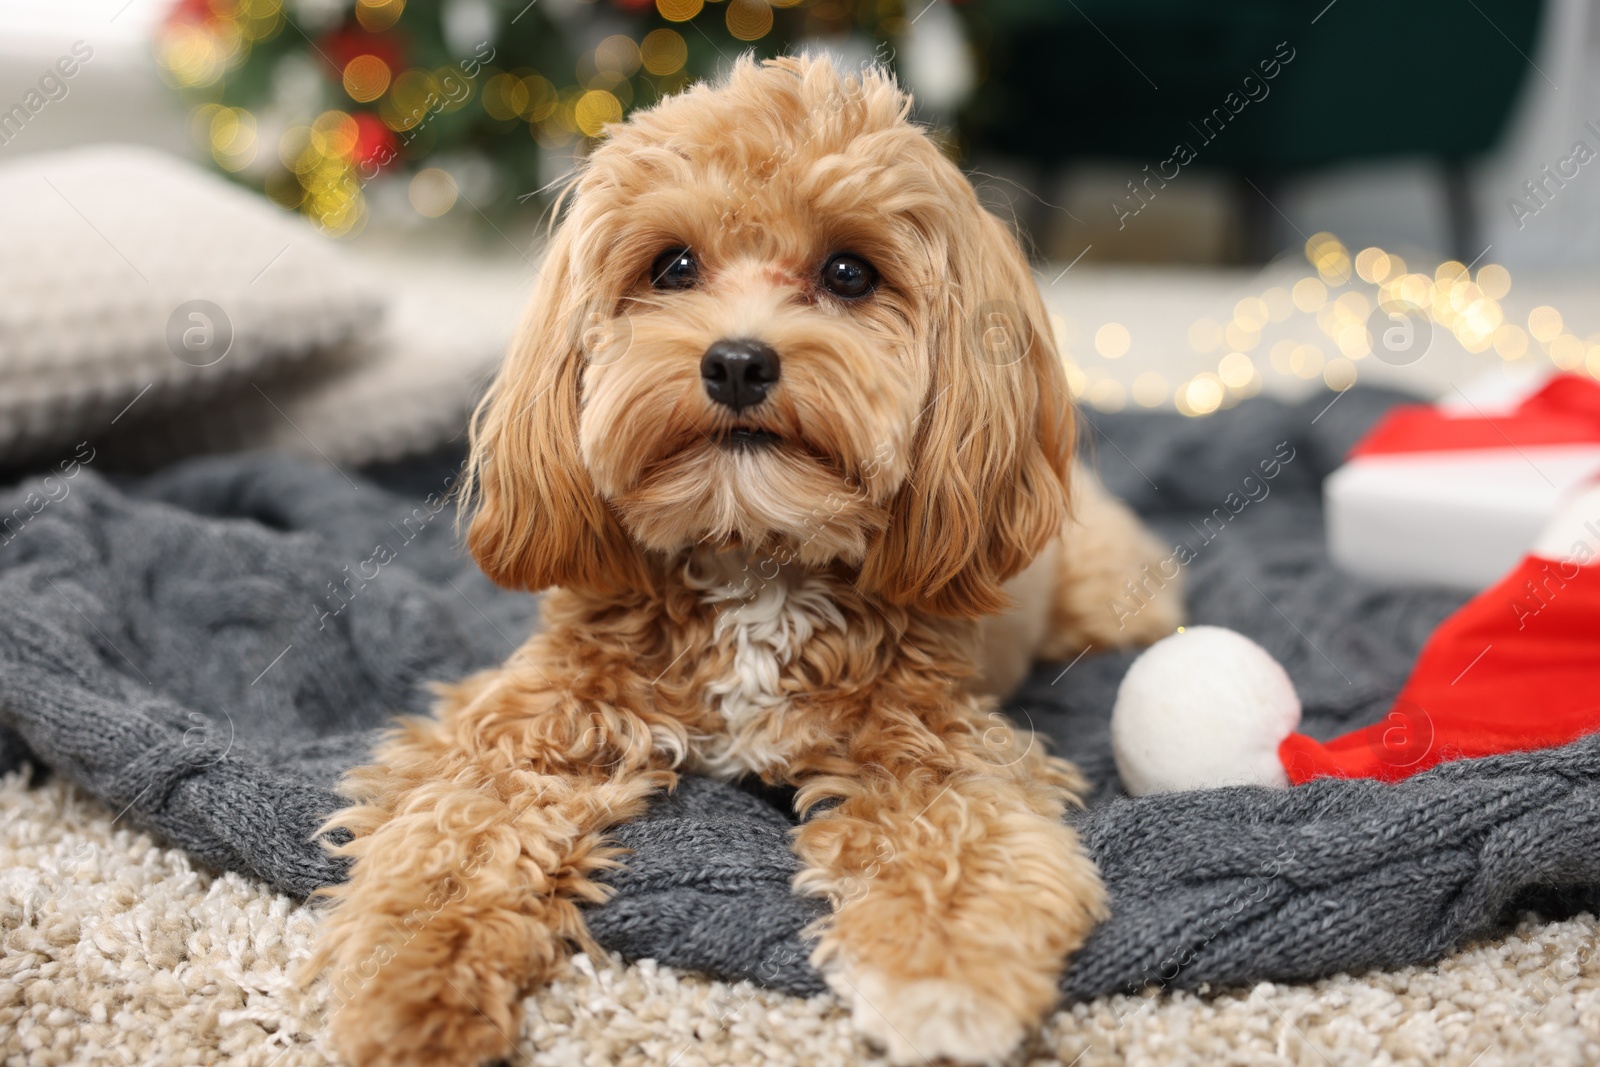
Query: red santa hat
[[1516, 668]]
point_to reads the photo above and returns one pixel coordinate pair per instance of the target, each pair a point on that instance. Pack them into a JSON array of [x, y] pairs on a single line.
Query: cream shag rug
[[114, 949]]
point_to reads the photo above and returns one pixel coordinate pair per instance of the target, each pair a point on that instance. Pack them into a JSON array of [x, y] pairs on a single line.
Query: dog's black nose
[[738, 373]]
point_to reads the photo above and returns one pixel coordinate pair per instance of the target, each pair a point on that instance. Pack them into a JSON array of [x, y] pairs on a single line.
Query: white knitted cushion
[[406, 387], [133, 283]]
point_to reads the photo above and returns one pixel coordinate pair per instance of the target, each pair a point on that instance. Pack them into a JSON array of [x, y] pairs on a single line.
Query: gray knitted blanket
[[208, 648]]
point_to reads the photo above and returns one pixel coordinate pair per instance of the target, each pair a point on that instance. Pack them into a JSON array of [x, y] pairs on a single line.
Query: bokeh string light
[[1340, 295]]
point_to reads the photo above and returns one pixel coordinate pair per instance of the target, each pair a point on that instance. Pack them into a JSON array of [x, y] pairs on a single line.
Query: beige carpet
[[116, 950]]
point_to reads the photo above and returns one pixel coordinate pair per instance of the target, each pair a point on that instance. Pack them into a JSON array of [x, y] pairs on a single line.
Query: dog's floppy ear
[[986, 487], [537, 520]]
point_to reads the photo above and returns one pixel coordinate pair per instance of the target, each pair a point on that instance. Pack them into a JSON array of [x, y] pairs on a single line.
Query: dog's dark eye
[[848, 276], [675, 268]]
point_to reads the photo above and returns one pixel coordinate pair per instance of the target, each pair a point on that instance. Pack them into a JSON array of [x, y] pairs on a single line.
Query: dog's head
[[775, 317]]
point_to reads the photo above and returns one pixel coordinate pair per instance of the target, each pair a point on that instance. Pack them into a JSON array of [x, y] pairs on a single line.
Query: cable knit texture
[[191, 648]]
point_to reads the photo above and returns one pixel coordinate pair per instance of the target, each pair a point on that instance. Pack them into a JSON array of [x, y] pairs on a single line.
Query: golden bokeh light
[[1494, 280], [1309, 294], [1544, 322], [1374, 265], [1329, 256], [1511, 341], [1484, 316], [366, 78], [1472, 340], [1203, 395], [663, 52], [1334, 269], [1251, 313], [1354, 341], [679, 10], [617, 54], [749, 20], [542, 98], [332, 194], [259, 20], [1236, 370], [378, 15], [1339, 374], [1463, 296], [1351, 307], [334, 134], [1321, 244], [505, 97], [232, 137], [596, 109], [1112, 340], [409, 99], [194, 55], [1567, 352], [1413, 290]]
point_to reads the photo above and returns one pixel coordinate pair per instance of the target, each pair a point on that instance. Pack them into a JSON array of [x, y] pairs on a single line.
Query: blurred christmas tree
[[427, 105]]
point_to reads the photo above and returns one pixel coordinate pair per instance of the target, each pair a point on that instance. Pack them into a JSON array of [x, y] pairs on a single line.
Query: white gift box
[[1455, 495]]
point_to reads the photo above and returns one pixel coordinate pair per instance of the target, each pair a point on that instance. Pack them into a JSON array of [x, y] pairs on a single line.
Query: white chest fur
[[765, 623]]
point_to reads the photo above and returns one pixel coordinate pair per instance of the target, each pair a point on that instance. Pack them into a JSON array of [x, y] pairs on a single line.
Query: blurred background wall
[[1221, 199], [1154, 132]]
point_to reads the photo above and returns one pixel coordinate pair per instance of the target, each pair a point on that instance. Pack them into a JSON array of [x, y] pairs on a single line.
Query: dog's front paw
[[372, 1033], [419, 1007], [920, 1019]]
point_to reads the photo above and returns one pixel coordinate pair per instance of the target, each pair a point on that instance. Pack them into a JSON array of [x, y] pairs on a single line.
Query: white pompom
[[1206, 707]]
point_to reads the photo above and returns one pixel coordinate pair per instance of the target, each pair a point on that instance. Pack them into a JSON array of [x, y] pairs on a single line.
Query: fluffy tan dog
[[784, 418]]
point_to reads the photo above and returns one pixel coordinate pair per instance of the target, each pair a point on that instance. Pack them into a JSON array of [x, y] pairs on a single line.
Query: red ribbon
[[1566, 411]]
